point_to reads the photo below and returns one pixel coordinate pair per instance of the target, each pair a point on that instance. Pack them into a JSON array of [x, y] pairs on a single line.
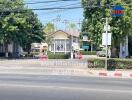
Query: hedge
[[88, 52], [58, 56], [50, 55], [113, 63]]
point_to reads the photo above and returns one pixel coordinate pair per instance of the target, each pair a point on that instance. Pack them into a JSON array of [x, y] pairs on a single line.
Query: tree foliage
[[93, 22], [72, 26], [49, 29], [19, 24]]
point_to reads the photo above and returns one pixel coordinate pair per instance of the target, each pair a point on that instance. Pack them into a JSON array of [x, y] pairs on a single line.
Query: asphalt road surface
[[39, 87]]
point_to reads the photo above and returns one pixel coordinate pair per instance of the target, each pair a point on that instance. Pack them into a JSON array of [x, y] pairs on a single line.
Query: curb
[[116, 74], [103, 74], [130, 75]]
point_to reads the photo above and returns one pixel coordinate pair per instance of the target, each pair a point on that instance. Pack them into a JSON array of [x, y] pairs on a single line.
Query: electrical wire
[[78, 7], [65, 8], [39, 2], [57, 11]]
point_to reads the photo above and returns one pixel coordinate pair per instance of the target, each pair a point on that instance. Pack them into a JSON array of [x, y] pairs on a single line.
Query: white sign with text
[[108, 37]]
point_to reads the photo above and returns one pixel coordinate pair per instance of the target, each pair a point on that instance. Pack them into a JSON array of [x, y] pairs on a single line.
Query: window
[[60, 45]]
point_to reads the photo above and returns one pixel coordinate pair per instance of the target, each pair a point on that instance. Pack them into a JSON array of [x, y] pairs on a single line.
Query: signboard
[[104, 37], [107, 29], [117, 11]]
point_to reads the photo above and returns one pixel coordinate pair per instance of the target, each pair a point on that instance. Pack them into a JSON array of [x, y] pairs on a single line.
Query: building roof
[[69, 32]]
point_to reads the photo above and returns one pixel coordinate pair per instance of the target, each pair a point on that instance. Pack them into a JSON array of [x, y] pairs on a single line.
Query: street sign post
[[117, 11], [106, 40]]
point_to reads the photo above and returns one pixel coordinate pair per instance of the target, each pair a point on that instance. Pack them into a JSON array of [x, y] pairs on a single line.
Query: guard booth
[[44, 48], [76, 51], [39, 49], [43, 51]]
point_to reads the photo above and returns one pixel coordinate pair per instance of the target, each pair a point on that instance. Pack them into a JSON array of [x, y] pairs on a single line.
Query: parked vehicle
[[39, 50], [101, 53]]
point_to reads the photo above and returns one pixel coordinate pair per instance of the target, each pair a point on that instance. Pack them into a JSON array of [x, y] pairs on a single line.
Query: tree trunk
[[115, 49], [6, 50]]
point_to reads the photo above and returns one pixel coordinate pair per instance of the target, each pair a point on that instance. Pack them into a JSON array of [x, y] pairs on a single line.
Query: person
[[74, 54]]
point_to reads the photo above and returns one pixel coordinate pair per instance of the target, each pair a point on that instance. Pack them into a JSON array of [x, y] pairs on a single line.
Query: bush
[[58, 55], [88, 52], [112, 63]]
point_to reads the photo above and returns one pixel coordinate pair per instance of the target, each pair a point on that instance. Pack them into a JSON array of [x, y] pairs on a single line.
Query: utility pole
[[106, 62], [65, 22], [105, 40]]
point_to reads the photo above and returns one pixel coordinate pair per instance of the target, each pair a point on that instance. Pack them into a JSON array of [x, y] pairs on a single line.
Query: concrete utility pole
[[106, 41], [106, 63], [65, 23]]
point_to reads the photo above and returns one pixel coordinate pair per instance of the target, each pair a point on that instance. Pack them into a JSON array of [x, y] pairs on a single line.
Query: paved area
[[58, 67], [42, 87], [90, 56], [65, 63]]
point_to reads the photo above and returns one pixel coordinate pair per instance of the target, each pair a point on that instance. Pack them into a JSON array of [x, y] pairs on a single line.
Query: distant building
[[14, 50], [39, 47], [124, 48], [86, 43], [64, 41]]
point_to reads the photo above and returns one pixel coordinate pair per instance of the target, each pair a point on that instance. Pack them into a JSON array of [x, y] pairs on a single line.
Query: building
[[64, 41], [14, 50], [86, 43], [40, 48], [124, 52]]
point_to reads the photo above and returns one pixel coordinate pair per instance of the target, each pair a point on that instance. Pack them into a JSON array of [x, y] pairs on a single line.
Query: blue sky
[[48, 16]]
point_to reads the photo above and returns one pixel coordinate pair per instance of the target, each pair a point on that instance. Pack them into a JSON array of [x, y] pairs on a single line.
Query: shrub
[[113, 63], [88, 52], [58, 55]]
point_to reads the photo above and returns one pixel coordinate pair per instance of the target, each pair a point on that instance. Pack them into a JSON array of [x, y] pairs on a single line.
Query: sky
[[45, 16]]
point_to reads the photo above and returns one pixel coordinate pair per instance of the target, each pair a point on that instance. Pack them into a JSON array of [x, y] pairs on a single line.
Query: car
[[101, 53]]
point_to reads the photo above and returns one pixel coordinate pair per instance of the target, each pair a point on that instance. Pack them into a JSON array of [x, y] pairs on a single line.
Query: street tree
[[18, 24], [49, 29], [95, 10]]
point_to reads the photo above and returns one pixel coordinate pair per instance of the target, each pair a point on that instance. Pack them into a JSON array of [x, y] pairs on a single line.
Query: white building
[[64, 42]]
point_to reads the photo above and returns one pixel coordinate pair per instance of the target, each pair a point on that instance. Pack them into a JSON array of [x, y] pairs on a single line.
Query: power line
[[64, 8], [77, 7], [52, 8], [75, 4], [39, 2], [52, 1], [55, 8]]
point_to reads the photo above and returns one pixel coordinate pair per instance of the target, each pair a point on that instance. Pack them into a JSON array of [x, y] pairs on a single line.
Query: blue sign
[[117, 11]]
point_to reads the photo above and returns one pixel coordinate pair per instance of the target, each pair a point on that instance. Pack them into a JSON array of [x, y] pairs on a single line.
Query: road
[[41, 87]]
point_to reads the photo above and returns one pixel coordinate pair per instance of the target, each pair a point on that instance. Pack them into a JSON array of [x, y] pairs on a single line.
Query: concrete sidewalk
[[59, 67], [66, 71]]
